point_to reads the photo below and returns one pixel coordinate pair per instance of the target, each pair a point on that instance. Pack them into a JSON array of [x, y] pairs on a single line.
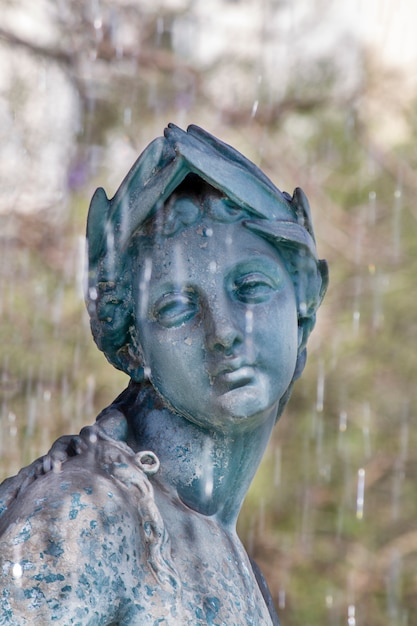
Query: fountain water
[[317, 100]]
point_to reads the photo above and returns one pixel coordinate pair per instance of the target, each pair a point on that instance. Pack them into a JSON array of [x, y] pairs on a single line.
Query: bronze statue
[[203, 287]]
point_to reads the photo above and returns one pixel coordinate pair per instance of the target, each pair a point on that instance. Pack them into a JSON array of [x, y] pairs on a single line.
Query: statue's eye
[[254, 287], [175, 308]]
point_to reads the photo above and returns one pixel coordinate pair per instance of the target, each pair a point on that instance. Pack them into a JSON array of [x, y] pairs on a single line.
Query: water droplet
[[372, 207], [396, 226], [249, 322], [320, 388], [144, 287], [356, 320], [351, 615], [207, 470], [17, 570], [342, 421], [360, 494], [277, 466], [127, 116]]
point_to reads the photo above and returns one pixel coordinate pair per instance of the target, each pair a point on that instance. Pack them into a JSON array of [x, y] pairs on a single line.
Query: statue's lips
[[234, 374]]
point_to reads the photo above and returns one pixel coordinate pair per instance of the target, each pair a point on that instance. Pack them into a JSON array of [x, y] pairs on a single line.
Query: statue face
[[217, 323]]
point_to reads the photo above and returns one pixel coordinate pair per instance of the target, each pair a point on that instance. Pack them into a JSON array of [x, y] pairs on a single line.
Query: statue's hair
[[144, 208]]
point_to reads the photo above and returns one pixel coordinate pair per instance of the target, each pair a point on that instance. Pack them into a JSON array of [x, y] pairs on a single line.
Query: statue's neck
[[210, 471]]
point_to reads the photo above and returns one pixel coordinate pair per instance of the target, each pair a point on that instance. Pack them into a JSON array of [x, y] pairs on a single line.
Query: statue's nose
[[224, 333]]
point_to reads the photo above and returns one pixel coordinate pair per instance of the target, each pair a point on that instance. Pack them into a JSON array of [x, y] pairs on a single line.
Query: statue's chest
[[222, 596], [218, 587]]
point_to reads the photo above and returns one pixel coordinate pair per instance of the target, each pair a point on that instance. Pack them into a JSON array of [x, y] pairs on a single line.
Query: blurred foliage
[[352, 413]]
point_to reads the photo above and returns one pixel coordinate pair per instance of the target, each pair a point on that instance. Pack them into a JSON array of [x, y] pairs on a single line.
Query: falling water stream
[[331, 516]]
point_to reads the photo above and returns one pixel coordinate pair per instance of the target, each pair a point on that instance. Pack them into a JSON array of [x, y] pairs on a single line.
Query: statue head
[[186, 191]]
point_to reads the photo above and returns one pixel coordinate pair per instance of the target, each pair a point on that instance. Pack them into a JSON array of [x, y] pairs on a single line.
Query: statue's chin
[[234, 410], [238, 404]]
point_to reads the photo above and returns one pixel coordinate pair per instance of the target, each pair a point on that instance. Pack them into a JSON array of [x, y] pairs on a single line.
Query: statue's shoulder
[[71, 541], [75, 463], [82, 462]]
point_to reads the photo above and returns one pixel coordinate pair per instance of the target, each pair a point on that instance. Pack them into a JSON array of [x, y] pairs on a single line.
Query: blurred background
[[320, 94]]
